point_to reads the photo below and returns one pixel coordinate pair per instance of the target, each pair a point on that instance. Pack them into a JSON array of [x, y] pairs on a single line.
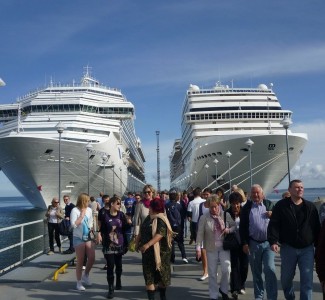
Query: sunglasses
[[147, 192], [56, 202]]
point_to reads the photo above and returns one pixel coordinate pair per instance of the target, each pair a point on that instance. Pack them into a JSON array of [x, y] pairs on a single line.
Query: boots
[[151, 295], [110, 294], [118, 285], [162, 292]]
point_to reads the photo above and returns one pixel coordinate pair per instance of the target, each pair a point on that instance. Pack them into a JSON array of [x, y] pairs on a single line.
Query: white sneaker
[[80, 287], [50, 252], [204, 277], [84, 267], [185, 261], [242, 292], [85, 279]]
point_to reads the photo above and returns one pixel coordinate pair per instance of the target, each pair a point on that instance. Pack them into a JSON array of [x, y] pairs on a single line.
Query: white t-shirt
[[193, 207]]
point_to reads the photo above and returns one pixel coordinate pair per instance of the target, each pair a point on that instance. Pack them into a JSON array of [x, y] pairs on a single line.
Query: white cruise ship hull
[[36, 174], [269, 161]]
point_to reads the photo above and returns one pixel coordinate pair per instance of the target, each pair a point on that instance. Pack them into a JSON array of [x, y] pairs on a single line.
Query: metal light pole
[[89, 147], [121, 182], [158, 161], [206, 170], [113, 166], [286, 122], [228, 154], [249, 143], [104, 158], [60, 129], [216, 163]]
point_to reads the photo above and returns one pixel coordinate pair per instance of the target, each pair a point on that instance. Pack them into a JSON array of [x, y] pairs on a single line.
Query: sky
[[153, 50]]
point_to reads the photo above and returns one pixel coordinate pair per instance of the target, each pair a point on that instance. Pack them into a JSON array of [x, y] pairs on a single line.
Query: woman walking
[[142, 208], [211, 231], [81, 219], [112, 234], [155, 242], [54, 215]]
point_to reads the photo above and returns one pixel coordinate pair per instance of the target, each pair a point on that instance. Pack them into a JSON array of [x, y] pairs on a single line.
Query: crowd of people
[[235, 232]]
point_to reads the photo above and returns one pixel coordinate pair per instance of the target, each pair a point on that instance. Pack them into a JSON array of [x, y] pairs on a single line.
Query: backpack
[[173, 215], [64, 227]]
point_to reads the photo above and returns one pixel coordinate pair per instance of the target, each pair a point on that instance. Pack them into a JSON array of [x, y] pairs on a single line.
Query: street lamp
[[121, 182], [113, 166], [228, 154], [216, 163], [104, 159], [206, 170], [286, 122], [249, 143], [89, 147], [60, 129]]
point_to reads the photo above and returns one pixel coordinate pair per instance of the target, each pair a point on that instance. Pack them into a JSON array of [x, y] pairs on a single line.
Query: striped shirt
[[258, 222]]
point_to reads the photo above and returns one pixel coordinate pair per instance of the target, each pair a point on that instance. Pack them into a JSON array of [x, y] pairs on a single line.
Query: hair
[[184, 192], [149, 186], [240, 191], [197, 192], [82, 201], [286, 195], [105, 197], [66, 196], [235, 197], [220, 189], [157, 205], [113, 200], [54, 200], [137, 195], [294, 181], [92, 199], [207, 190], [174, 196], [213, 199]]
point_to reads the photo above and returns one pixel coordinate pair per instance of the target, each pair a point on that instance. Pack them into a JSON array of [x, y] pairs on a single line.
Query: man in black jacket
[[67, 210], [295, 226]]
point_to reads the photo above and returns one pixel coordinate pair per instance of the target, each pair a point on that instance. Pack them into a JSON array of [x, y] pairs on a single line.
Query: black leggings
[[113, 260], [54, 232]]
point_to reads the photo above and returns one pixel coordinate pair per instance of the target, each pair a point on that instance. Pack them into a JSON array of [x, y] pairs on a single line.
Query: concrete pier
[[34, 280]]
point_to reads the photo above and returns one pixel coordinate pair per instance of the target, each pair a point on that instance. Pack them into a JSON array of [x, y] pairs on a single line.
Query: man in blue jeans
[[294, 228], [254, 220]]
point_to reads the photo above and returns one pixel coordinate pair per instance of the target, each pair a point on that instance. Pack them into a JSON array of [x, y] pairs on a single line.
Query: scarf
[[219, 224], [170, 235], [146, 202]]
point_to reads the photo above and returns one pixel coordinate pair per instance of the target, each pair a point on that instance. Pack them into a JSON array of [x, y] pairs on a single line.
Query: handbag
[[91, 235], [131, 246], [230, 241]]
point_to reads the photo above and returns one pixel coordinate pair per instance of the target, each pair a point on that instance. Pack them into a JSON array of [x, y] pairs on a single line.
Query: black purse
[[230, 241]]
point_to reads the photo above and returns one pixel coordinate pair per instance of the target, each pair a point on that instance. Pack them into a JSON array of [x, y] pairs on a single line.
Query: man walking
[[254, 220], [294, 228], [67, 211]]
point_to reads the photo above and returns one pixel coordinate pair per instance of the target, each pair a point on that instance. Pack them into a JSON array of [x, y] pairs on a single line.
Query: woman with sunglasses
[[54, 215], [142, 208], [112, 234]]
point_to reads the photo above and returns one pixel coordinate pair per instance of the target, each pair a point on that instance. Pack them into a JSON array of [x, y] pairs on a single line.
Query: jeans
[[290, 257], [262, 255]]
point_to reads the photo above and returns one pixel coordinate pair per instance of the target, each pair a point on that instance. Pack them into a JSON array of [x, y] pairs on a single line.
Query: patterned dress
[[151, 275]]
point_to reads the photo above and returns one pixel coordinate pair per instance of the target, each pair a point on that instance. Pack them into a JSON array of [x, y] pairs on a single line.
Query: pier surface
[[34, 280]]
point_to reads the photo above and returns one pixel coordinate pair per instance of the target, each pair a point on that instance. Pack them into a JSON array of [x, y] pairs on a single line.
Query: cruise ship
[[234, 136], [69, 139]]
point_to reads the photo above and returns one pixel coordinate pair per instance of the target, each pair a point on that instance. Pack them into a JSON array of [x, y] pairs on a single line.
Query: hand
[[226, 231], [275, 248], [268, 214], [246, 249], [144, 248]]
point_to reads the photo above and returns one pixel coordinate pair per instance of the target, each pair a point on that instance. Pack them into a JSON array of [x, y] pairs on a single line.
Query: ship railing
[[8, 234]]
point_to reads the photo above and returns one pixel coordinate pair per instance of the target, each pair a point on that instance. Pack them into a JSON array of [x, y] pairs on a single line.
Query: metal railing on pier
[[21, 243]]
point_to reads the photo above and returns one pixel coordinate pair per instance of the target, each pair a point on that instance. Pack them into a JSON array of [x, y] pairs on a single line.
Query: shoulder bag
[[230, 241]]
